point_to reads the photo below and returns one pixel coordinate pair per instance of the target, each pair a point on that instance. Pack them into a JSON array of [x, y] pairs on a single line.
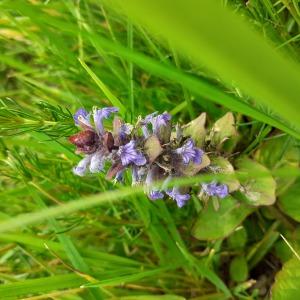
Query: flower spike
[[150, 150]]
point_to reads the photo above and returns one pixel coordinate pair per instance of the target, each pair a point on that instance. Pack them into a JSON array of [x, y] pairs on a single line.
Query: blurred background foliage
[[57, 56]]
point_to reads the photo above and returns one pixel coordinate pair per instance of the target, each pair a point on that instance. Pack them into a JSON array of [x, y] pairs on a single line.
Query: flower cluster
[[151, 149]]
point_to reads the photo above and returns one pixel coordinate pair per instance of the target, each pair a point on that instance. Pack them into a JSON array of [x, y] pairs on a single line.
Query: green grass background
[[64, 237]]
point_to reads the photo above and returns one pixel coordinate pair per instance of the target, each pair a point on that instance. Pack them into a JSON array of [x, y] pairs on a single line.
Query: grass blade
[[111, 97], [193, 84], [245, 57], [34, 286]]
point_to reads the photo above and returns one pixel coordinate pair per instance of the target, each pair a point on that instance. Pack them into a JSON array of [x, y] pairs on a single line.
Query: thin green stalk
[[130, 70]]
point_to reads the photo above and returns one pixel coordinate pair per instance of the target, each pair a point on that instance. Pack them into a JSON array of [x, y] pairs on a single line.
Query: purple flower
[[119, 176], [82, 117], [97, 162], [134, 175], [155, 194], [222, 191], [154, 174], [137, 174], [180, 199], [145, 131], [100, 114], [125, 130], [82, 166], [129, 154], [213, 189], [158, 121], [145, 123], [149, 117], [189, 152]]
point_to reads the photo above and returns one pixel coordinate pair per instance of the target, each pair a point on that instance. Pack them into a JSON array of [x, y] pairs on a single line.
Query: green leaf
[[287, 281], [272, 152], [282, 251], [278, 152], [258, 191], [212, 225], [238, 238], [259, 250], [238, 269], [289, 202]]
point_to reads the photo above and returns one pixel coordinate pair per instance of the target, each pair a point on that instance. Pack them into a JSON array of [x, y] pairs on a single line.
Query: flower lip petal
[[82, 166], [222, 191], [180, 199], [155, 195], [189, 152], [125, 130], [140, 159], [198, 156], [149, 118], [154, 174], [180, 203], [97, 162], [157, 121], [213, 189], [145, 131], [119, 176], [107, 111], [160, 121], [100, 114], [128, 154], [82, 118]]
